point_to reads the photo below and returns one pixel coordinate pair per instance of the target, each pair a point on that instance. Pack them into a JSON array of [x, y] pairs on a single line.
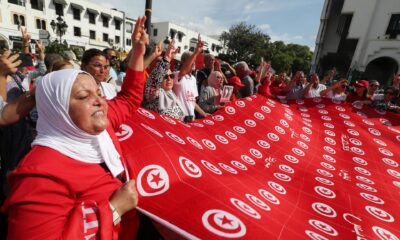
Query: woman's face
[[220, 80], [168, 81], [87, 109], [99, 68], [360, 90]]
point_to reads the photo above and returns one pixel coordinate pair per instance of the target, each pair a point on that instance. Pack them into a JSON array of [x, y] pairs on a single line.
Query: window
[[77, 31], [38, 24], [128, 42], [92, 18], [37, 4], [43, 24], [129, 27], [117, 24], [77, 13], [105, 21], [155, 32], [394, 26], [117, 39], [180, 36], [105, 37], [17, 2], [19, 20], [92, 34], [59, 9]]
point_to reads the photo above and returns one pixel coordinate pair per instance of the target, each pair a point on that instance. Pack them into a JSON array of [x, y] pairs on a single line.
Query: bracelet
[[116, 216]]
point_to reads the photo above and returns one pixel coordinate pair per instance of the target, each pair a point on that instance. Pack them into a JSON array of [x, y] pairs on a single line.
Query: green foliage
[[56, 47], [247, 43]]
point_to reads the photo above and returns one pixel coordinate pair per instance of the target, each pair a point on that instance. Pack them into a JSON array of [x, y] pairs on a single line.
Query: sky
[[291, 21]]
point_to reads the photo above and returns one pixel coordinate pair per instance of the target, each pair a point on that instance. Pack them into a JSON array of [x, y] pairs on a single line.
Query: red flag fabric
[[262, 169]]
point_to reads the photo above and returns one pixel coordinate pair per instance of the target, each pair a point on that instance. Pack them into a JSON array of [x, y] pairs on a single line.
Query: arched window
[[43, 24], [16, 19], [22, 19]]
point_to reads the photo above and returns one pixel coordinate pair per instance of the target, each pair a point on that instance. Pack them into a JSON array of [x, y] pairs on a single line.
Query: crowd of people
[[58, 121]]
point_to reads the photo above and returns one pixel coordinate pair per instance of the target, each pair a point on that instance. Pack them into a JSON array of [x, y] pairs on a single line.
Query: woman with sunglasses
[[385, 101], [158, 94], [96, 63], [360, 91]]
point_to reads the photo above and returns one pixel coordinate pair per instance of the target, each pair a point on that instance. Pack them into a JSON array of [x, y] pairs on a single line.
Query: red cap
[[362, 83], [236, 81]]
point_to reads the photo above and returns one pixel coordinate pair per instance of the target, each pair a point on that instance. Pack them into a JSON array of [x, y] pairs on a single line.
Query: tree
[[245, 43]]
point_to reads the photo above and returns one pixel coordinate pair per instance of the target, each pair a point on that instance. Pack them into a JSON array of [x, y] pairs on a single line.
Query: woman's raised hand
[[171, 50], [139, 41]]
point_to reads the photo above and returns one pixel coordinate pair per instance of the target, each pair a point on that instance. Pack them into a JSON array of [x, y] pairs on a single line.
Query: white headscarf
[[56, 129]]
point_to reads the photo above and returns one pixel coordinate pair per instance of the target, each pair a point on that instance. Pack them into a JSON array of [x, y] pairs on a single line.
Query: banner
[[262, 169]]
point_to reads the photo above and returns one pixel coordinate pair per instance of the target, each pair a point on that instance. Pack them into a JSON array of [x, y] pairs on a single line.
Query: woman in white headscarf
[[210, 96], [74, 184]]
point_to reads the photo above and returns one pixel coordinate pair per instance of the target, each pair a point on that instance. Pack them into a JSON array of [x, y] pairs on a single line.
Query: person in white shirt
[[314, 88], [185, 87]]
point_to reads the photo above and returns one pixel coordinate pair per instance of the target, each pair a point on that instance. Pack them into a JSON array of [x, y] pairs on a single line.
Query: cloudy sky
[[292, 21]]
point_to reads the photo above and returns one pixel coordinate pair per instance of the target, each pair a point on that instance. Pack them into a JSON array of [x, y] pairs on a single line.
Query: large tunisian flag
[[261, 169]]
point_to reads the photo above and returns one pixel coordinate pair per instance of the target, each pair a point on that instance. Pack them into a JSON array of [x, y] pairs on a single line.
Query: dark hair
[[50, 58], [91, 53], [59, 64]]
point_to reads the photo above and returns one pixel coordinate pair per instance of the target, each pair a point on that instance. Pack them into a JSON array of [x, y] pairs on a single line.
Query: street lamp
[[60, 27]]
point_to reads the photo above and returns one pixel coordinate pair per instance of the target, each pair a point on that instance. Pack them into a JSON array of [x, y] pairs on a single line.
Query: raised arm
[[130, 97], [187, 67], [155, 54]]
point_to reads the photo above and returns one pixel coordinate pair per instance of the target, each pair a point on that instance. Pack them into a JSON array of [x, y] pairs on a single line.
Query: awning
[[77, 6], [118, 18], [105, 15], [92, 11], [62, 2]]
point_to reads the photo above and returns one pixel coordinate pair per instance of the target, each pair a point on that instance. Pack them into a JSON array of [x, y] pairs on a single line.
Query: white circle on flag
[[323, 227], [325, 192], [305, 137], [168, 119], [384, 234], [325, 173], [245, 208], [366, 187], [307, 130], [362, 171], [360, 161], [196, 124], [365, 180], [228, 168], [330, 141], [282, 177], [291, 159], [368, 122], [124, 133], [223, 224], [255, 153], [372, 198], [326, 118], [353, 132], [324, 181], [306, 115], [221, 139], [259, 116], [273, 137], [329, 125], [315, 236], [374, 132], [250, 123], [189, 167], [323, 111], [358, 151], [348, 123], [230, 135], [194, 143], [330, 150], [211, 167], [380, 142], [280, 130], [218, 118], [340, 109], [302, 145], [175, 138], [152, 180], [386, 152], [284, 123], [269, 196], [248, 159], [286, 168], [393, 173], [379, 214], [390, 162], [239, 165], [329, 158], [209, 122], [355, 141], [263, 144], [266, 109], [240, 104], [330, 133], [230, 110], [258, 202], [277, 187], [288, 117], [324, 209], [239, 129], [343, 115], [210, 145], [321, 105], [328, 166], [298, 152], [146, 113]]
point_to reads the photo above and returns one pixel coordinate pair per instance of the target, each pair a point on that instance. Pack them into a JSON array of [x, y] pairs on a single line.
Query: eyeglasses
[[169, 76], [100, 66]]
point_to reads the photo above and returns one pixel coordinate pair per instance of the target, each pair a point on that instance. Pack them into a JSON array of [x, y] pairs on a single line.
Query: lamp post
[[60, 27], [147, 12]]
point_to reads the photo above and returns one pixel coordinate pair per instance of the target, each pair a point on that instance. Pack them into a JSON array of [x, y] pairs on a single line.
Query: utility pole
[[147, 12]]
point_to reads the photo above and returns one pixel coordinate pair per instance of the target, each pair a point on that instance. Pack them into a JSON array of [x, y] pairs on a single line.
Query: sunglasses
[[169, 76]]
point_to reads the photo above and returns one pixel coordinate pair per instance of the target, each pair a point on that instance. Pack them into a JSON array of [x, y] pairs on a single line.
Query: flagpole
[[147, 12]]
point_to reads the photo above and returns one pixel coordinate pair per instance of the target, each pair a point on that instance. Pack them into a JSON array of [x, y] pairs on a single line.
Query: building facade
[[89, 25], [360, 38], [186, 39]]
